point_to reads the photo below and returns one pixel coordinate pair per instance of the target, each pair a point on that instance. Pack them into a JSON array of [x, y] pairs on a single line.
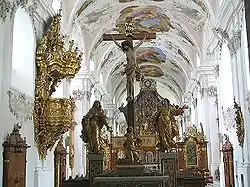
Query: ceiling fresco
[[149, 19], [151, 71], [169, 58], [150, 54]]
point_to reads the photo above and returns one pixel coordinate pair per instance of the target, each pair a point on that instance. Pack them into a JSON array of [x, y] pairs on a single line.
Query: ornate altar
[[227, 150], [14, 160], [59, 163], [146, 105], [192, 153], [53, 116]]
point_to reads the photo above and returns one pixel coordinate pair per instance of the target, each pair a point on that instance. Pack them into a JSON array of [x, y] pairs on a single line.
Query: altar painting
[[191, 149]]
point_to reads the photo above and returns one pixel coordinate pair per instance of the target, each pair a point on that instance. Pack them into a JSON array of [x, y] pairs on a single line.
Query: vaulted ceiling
[[169, 59]]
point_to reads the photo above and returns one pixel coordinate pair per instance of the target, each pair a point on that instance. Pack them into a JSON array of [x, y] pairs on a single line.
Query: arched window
[[198, 60], [92, 65], [226, 82], [56, 5], [101, 78], [92, 97], [23, 53]]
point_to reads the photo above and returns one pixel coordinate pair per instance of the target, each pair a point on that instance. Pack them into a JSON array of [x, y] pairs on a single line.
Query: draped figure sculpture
[[166, 125], [130, 145], [92, 123]]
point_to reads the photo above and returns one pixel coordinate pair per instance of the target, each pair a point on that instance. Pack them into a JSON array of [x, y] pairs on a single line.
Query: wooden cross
[[129, 36]]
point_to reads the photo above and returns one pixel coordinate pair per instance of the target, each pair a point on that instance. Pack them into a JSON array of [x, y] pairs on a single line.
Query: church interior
[[107, 93]]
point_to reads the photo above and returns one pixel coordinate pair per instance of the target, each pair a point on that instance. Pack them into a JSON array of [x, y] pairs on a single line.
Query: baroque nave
[[124, 93]]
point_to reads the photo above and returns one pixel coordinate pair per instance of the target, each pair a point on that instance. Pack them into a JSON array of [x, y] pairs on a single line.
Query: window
[[56, 5], [198, 60], [23, 53], [92, 65]]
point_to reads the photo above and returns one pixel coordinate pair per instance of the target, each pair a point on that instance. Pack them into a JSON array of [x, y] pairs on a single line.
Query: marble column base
[[168, 163], [43, 177], [243, 174], [213, 168]]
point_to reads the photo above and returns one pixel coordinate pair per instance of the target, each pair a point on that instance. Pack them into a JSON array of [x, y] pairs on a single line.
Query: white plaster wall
[[17, 43], [23, 53]]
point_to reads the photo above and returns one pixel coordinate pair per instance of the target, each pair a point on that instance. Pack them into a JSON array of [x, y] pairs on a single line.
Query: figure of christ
[[132, 70]]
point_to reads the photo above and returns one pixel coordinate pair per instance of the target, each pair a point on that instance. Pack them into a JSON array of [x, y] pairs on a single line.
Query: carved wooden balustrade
[[59, 163]]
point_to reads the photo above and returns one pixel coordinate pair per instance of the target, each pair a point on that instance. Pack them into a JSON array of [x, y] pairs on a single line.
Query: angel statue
[[166, 125], [130, 145], [92, 123]]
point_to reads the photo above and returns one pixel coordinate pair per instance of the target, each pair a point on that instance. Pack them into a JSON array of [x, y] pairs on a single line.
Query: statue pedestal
[[130, 170], [95, 164], [168, 163]]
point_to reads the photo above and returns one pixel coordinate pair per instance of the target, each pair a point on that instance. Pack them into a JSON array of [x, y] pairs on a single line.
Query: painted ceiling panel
[[147, 18], [150, 54]]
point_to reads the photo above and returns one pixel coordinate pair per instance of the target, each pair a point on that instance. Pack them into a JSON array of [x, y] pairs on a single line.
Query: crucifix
[[132, 70]]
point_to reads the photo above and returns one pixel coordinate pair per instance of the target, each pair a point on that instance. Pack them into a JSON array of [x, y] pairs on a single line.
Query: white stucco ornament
[[229, 118], [21, 106], [248, 101]]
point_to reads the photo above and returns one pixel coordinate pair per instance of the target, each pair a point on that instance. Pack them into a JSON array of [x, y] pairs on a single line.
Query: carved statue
[[131, 154], [132, 70], [124, 110], [92, 123], [165, 124]]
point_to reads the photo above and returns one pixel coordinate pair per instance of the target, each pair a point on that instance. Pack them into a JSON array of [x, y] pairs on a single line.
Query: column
[[6, 40], [78, 96], [86, 85], [211, 122], [240, 90]]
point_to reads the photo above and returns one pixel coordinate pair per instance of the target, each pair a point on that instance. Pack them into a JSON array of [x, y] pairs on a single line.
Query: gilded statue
[[130, 147], [92, 123], [240, 129], [166, 125]]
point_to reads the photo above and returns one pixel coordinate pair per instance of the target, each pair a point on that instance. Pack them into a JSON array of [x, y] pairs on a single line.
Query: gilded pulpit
[[53, 116]]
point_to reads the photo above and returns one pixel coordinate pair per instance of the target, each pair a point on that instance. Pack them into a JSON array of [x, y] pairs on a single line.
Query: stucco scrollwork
[[248, 101], [5, 9], [234, 43], [212, 91], [20, 105], [229, 118], [8, 9], [80, 94]]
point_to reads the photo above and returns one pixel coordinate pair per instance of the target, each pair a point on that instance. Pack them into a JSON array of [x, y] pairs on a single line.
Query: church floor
[[215, 184]]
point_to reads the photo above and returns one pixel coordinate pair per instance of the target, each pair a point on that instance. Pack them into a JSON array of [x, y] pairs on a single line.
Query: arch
[[23, 53]]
